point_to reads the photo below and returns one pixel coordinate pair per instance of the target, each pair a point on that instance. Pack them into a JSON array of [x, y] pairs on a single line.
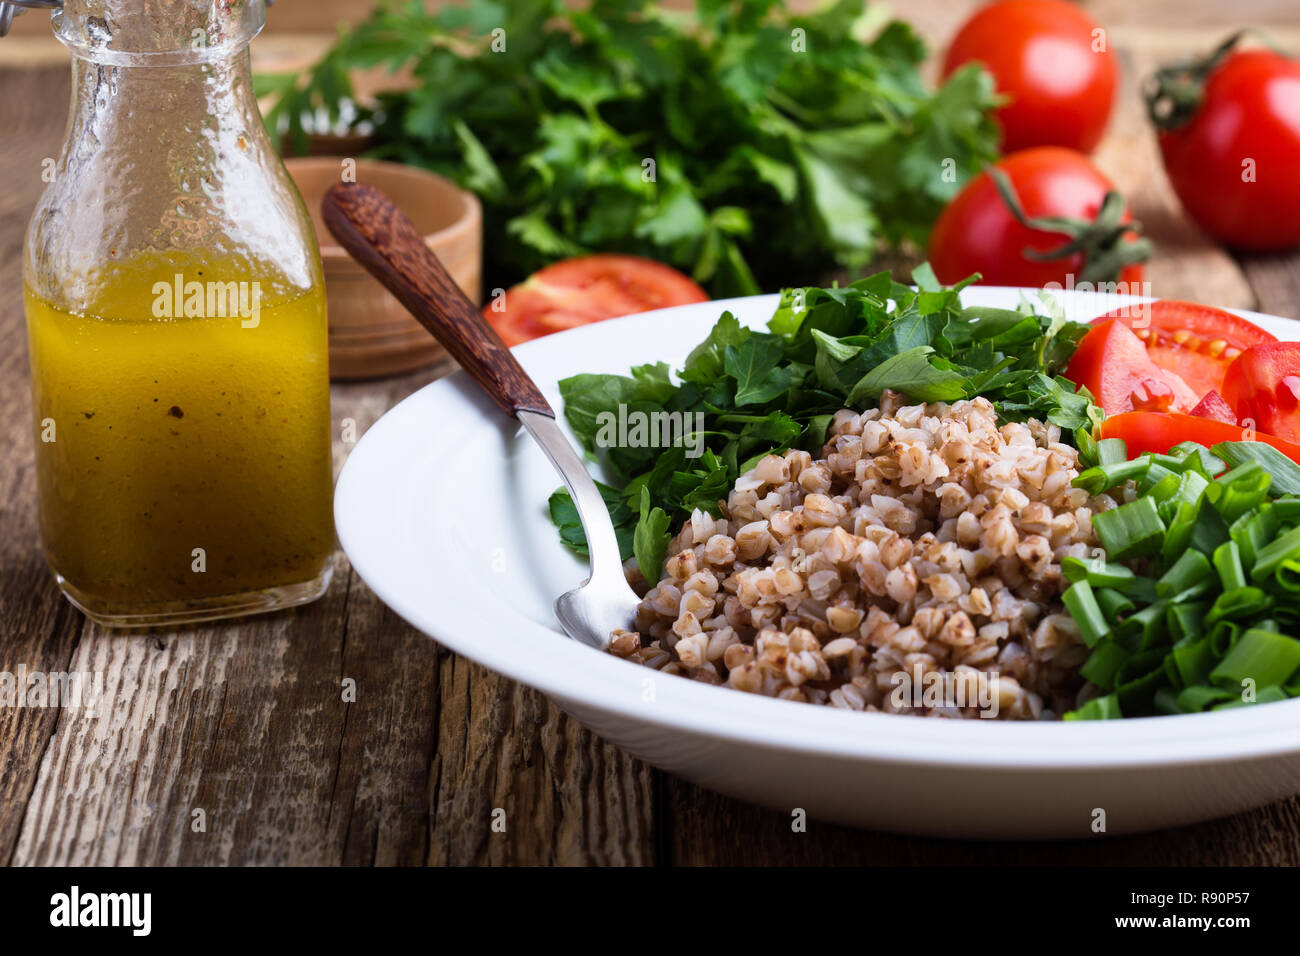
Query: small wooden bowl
[[371, 334]]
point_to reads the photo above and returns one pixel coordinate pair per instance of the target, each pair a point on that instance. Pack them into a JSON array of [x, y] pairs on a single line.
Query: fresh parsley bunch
[[740, 143], [825, 349]]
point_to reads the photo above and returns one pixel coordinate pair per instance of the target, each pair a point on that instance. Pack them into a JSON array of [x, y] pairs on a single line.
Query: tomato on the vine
[[1036, 217], [1230, 137], [1053, 64]]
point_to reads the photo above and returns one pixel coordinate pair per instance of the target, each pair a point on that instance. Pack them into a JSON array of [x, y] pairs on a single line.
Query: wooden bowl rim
[[467, 221]]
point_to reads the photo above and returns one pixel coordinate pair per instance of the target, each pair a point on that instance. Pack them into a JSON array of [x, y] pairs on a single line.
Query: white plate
[[441, 508]]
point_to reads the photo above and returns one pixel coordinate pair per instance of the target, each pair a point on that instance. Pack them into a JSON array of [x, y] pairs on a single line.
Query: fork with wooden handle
[[380, 237]]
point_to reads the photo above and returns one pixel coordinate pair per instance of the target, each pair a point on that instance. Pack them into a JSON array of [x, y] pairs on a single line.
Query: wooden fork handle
[[380, 237]]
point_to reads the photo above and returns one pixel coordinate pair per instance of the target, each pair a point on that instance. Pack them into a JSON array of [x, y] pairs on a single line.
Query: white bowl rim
[[586, 679]]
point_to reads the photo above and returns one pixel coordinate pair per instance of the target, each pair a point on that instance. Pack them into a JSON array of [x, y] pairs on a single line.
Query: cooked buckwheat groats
[[914, 567]]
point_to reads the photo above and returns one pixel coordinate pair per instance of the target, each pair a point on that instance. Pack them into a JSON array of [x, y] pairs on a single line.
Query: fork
[[380, 237]]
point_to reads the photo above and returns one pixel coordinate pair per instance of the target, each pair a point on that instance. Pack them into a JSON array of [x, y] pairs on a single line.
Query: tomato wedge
[[1264, 385], [1160, 431], [1113, 364], [1215, 406], [1196, 342], [585, 290]]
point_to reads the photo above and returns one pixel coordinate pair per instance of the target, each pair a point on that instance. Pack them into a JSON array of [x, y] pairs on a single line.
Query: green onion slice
[[1083, 607], [1187, 572], [1099, 708], [1264, 657], [1227, 561], [1130, 531]]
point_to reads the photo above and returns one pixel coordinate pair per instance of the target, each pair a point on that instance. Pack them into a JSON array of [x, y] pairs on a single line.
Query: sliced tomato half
[[1263, 385], [1114, 365], [1160, 431], [1196, 342], [585, 290]]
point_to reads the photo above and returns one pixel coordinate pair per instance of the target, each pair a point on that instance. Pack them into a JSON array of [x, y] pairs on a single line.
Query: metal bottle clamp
[[11, 8]]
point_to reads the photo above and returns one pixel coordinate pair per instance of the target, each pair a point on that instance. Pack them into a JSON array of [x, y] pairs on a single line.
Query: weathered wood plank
[[1180, 15], [38, 630], [712, 830], [567, 797], [1276, 282]]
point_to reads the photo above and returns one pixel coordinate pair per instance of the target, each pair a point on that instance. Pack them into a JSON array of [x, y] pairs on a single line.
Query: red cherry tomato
[[1263, 385], [1054, 64], [1160, 431], [1234, 162], [1198, 342], [1113, 364], [585, 290], [978, 231]]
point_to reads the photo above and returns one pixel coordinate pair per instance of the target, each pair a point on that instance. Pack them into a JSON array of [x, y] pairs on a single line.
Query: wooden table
[[246, 721]]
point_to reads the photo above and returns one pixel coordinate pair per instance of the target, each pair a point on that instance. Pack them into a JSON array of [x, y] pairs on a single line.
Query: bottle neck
[[171, 73], [186, 118], [158, 33]]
